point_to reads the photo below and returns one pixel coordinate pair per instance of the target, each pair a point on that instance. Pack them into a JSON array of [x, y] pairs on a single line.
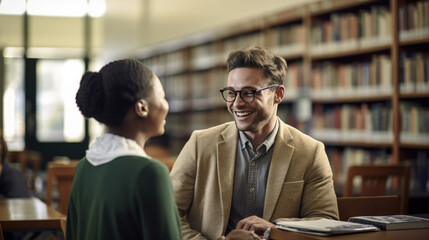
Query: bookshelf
[[362, 65]]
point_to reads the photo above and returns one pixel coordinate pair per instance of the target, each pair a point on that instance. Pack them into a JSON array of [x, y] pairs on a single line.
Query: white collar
[[109, 146]]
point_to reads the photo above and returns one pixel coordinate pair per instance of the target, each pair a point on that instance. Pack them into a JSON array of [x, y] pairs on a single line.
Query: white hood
[[109, 146]]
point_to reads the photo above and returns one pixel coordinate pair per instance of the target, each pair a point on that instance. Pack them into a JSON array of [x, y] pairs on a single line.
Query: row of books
[[370, 123], [331, 79], [242, 41], [200, 90], [288, 40], [176, 91], [344, 31], [288, 35], [334, 79], [167, 64], [342, 158], [415, 122], [202, 57], [182, 125], [413, 20], [205, 86], [197, 90], [206, 56], [414, 72], [294, 80], [341, 31]]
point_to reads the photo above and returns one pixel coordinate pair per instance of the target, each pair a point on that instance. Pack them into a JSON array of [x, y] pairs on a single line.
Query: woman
[[118, 191]]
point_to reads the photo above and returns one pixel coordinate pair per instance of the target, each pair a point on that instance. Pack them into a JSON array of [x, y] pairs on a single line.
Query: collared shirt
[[250, 178]]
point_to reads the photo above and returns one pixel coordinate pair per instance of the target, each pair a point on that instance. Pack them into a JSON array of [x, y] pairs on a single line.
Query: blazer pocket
[[292, 190], [289, 203]]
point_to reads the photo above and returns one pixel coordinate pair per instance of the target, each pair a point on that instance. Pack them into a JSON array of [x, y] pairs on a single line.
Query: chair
[[162, 154], [374, 179], [60, 174], [368, 206]]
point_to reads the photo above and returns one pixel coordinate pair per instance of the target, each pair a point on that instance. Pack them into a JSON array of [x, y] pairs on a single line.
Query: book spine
[[363, 221]]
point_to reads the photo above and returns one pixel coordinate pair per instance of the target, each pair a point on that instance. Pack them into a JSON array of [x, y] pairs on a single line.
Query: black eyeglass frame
[[254, 91]]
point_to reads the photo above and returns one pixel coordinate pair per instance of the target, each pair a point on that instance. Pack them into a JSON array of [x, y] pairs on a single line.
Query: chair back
[[368, 206], [374, 181], [161, 154], [60, 175]]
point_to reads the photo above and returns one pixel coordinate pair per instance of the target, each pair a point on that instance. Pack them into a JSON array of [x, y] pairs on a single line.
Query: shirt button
[[251, 190], [252, 164]]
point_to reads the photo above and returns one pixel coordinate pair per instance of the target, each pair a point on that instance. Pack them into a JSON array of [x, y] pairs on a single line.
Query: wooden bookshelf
[[340, 54]]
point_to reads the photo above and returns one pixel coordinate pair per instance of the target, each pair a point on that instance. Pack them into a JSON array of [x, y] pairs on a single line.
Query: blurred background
[[357, 73]]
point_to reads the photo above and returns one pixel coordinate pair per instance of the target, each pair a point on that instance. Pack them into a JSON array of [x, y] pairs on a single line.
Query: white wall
[[47, 32], [134, 24]]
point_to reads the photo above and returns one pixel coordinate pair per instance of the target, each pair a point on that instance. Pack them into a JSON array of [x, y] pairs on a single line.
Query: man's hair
[[256, 57]]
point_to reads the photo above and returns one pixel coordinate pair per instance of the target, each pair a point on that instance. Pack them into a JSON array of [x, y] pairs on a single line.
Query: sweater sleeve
[[160, 217]]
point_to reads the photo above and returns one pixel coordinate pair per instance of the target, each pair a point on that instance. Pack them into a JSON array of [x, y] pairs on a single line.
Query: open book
[[393, 222], [324, 227]]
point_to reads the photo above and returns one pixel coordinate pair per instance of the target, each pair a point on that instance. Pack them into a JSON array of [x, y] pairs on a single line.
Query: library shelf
[[414, 41], [414, 95], [384, 40], [352, 99], [351, 52], [358, 144], [415, 145]]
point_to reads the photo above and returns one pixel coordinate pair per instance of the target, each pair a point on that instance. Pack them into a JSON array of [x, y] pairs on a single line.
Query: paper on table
[[325, 227]]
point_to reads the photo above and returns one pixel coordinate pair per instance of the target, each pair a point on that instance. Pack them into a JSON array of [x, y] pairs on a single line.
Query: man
[[247, 174]]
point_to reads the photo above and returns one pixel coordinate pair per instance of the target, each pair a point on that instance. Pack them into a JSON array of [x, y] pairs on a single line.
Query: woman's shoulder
[[142, 163]]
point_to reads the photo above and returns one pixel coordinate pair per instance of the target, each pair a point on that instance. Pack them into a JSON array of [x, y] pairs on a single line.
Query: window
[[14, 104], [64, 8], [58, 118]]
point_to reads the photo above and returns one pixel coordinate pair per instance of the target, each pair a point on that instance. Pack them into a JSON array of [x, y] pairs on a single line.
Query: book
[[393, 222], [324, 227]]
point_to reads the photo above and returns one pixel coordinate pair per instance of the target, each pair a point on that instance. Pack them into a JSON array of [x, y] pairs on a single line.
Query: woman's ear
[[142, 108]]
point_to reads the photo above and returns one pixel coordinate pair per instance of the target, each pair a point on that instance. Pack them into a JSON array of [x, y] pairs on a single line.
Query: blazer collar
[[226, 153], [280, 161]]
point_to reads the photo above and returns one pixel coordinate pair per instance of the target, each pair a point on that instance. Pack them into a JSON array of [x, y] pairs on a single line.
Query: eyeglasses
[[246, 94]]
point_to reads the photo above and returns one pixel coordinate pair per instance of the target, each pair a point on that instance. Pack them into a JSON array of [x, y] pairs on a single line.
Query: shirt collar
[[268, 143]]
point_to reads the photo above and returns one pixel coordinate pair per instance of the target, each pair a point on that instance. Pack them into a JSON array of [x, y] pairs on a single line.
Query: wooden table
[[29, 213], [415, 234]]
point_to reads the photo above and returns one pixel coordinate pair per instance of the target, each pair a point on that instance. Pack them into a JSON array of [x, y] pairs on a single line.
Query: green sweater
[[129, 198]]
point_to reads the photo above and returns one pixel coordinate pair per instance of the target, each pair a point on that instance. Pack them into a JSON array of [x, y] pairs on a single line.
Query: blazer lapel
[[282, 154], [226, 153]]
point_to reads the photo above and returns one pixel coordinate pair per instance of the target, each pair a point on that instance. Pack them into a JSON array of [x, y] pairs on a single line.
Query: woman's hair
[[107, 95], [256, 57]]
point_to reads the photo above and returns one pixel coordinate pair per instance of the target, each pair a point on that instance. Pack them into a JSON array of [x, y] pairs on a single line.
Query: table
[[414, 234], [28, 214]]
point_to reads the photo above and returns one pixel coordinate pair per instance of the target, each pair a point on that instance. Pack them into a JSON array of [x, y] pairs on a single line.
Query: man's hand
[[254, 223], [240, 234]]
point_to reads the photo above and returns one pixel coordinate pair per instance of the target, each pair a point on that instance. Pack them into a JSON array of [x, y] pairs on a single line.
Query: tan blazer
[[299, 184]]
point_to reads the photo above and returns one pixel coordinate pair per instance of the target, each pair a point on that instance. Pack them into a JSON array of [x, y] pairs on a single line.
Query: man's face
[[255, 116]]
